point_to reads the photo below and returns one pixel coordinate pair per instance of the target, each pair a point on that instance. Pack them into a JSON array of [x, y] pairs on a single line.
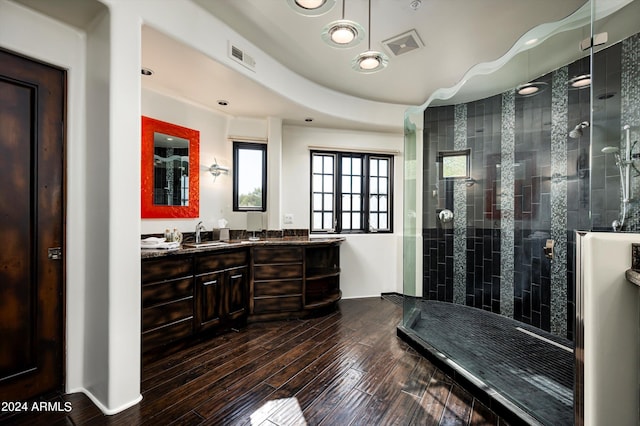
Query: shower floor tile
[[533, 373]]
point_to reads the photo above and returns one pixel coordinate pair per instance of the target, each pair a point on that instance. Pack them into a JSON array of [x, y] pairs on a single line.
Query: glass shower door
[[615, 116]]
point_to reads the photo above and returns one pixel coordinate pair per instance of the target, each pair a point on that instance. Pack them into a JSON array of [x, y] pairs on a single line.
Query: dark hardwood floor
[[345, 368]]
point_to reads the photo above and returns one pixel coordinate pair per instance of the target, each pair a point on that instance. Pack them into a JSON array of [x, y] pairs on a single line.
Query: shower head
[[610, 149], [577, 131]]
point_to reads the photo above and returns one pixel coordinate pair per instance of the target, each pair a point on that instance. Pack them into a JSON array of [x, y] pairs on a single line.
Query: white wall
[[95, 349], [102, 187], [215, 197], [371, 263], [102, 289], [217, 132]]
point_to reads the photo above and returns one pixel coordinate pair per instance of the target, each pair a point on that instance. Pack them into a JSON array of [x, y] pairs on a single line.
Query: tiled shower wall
[[530, 183]]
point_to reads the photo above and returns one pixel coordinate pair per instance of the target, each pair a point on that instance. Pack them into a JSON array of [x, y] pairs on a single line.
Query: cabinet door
[[237, 292], [209, 299]]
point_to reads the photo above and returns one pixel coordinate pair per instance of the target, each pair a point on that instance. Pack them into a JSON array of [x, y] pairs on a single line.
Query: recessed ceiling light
[[581, 81], [311, 7], [146, 71], [530, 89], [532, 41], [222, 102]]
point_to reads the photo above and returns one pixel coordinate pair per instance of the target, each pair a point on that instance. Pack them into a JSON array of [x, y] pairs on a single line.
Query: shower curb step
[[480, 390]]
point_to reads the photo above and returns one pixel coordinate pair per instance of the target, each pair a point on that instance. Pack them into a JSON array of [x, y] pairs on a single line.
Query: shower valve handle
[[548, 249]]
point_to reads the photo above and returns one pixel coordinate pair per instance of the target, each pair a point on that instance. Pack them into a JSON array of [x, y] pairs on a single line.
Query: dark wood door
[[236, 293], [209, 288], [32, 98]]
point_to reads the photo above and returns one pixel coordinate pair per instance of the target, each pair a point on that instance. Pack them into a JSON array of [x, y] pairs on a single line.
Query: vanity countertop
[[232, 244], [633, 276]]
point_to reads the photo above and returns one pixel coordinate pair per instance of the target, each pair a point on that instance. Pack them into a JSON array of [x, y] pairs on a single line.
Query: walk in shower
[[500, 172]]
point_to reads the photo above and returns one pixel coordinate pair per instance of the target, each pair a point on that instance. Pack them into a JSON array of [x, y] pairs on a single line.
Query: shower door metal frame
[[578, 380]]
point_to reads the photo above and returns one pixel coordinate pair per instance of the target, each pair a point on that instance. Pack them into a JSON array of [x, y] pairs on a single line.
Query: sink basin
[[206, 244]]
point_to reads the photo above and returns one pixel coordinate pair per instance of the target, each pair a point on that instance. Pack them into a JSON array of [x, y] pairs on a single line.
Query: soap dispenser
[[177, 236]]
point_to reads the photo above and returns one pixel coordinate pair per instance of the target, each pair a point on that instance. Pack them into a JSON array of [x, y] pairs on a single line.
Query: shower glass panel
[[490, 293], [412, 222], [615, 116]]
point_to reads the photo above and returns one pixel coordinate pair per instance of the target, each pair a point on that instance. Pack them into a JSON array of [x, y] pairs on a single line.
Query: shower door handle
[[446, 216]]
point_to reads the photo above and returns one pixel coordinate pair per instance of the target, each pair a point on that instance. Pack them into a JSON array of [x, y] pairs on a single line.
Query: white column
[[274, 170], [124, 209]]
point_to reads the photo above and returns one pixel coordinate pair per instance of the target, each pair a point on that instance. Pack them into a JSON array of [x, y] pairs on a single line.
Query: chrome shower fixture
[[624, 166], [610, 149], [577, 131]]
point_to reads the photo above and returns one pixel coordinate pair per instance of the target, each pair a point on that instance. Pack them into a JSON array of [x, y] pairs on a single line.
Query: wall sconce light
[[216, 169]]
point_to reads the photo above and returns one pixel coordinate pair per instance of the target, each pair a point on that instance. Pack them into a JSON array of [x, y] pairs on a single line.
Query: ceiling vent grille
[[403, 43], [241, 57]]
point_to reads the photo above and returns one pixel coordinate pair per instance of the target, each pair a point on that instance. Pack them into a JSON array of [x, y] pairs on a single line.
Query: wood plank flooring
[[345, 368]]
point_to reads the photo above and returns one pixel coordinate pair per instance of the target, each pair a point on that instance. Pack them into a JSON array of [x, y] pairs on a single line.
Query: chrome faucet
[[199, 228]]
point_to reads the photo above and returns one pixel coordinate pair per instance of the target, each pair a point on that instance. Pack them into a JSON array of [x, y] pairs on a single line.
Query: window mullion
[[338, 193], [365, 193]]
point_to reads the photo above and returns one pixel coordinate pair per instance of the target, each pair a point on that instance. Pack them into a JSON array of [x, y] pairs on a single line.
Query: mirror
[[170, 179]]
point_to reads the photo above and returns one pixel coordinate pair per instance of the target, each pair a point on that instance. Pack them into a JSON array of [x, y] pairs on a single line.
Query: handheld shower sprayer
[[624, 166]]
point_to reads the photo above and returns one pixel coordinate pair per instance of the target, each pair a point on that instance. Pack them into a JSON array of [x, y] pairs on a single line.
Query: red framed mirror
[[170, 171]]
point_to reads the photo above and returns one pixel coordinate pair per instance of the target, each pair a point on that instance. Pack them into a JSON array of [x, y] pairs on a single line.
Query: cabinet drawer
[[277, 304], [277, 288], [263, 255], [166, 268], [268, 272], [168, 333], [166, 313], [153, 294], [220, 261]]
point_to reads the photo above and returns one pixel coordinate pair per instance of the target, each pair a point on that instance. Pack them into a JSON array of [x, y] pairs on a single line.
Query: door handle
[[54, 253]]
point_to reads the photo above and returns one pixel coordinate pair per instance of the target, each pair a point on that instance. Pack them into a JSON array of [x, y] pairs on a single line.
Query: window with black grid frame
[[360, 200], [379, 168], [323, 172]]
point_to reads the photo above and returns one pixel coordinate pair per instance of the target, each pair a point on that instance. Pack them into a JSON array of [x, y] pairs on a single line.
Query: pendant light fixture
[[343, 32], [371, 60], [311, 7], [532, 87]]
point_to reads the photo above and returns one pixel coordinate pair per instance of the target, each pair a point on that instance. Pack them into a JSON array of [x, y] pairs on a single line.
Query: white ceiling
[[457, 34]]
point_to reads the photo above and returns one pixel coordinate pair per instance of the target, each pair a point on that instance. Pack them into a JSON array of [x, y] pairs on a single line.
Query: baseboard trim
[[102, 407]]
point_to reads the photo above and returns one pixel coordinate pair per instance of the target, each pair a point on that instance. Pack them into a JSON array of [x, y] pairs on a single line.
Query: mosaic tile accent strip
[[559, 124], [630, 115], [507, 164], [460, 211]]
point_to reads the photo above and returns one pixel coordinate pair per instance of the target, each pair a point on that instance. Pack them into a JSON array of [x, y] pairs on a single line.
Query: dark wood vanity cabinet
[[277, 279], [294, 280], [167, 300], [322, 276], [222, 289], [183, 295], [190, 292]]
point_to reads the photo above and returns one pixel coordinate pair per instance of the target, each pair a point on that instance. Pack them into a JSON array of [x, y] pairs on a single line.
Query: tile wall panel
[[531, 182]]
